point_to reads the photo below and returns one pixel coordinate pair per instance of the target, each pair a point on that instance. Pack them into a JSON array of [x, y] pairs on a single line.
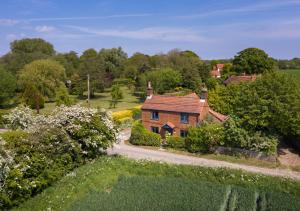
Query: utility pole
[[88, 84]]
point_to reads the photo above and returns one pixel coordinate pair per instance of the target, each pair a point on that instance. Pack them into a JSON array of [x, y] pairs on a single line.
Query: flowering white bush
[[20, 118], [6, 159], [70, 118], [48, 147]]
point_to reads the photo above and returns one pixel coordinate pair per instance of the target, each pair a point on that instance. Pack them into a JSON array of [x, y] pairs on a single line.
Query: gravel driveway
[[139, 153]]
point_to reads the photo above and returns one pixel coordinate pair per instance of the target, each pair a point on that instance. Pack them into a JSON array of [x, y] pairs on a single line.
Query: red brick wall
[[166, 116]]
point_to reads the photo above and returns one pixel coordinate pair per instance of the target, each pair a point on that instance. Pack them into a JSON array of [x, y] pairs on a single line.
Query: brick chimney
[[149, 90], [203, 94]]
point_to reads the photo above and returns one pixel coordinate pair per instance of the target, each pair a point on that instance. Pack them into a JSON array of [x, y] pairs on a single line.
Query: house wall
[[166, 116]]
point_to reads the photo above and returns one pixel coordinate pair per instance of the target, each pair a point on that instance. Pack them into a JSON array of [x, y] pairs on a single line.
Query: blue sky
[[213, 29]]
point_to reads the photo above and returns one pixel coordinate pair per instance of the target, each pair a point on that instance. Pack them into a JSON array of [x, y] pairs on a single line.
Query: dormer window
[[154, 115], [184, 118]]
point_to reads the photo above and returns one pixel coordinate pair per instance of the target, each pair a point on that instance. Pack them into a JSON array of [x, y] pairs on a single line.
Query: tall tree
[[114, 60], [140, 61], [7, 86], [46, 75], [116, 95], [70, 61], [90, 63], [252, 61], [25, 51]]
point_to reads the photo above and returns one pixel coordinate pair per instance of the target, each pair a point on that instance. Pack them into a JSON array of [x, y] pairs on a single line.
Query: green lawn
[[294, 72], [102, 100], [114, 183]]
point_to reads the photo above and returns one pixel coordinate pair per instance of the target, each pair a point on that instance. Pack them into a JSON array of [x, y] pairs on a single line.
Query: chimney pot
[[149, 90]]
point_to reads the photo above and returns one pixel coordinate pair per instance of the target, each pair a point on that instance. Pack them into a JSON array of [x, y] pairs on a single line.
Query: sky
[[213, 29]]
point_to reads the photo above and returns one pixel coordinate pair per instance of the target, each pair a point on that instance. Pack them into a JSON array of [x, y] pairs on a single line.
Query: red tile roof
[[239, 78], [221, 66], [215, 73], [190, 103], [217, 115]]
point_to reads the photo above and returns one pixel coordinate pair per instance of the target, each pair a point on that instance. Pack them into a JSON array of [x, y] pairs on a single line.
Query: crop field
[[121, 184], [294, 72], [150, 193]]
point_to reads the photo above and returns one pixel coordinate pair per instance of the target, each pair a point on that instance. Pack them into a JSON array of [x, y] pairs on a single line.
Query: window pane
[[154, 115], [184, 117]]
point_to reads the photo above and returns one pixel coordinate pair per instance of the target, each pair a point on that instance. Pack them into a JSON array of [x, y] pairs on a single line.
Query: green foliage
[[236, 136], [51, 147], [31, 46], [8, 86], [141, 136], [45, 75], [40, 159], [33, 97], [62, 96], [136, 113], [163, 80], [212, 83], [289, 64], [114, 60], [204, 138], [269, 104], [69, 61], [176, 142], [116, 95], [26, 51], [252, 61], [102, 184]]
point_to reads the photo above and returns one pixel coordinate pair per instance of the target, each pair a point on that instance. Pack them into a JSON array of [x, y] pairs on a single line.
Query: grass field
[[114, 183], [102, 100], [293, 72]]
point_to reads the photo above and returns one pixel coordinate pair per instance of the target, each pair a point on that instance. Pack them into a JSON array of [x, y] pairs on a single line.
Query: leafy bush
[[48, 147], [204, 138], [122, 114], [176, 142], [136, 113], [141, 136], [2, 118], [262, 143], [236, 136]]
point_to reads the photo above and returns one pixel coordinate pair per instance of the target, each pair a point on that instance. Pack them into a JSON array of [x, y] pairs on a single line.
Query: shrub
[[204, 138], [176, 142], [136, 113], [122, 114], [40, 159], [3, 113], [236, 136], [262, 143], [48, 148], [141, 136]]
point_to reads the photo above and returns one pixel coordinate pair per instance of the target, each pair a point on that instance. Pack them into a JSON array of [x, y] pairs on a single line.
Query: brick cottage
[[175, 114]]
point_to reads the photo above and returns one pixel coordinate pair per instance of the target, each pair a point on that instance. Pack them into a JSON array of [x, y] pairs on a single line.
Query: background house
[[175, 114], [216, 71]]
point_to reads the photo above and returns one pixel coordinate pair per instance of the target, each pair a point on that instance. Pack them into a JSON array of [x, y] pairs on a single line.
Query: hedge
[[141, 136], [176, 142]]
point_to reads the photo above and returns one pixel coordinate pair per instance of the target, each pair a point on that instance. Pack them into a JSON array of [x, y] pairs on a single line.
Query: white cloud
[[244, 9], [88, 17], [8, 22], [151, 33], [44, 29]]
